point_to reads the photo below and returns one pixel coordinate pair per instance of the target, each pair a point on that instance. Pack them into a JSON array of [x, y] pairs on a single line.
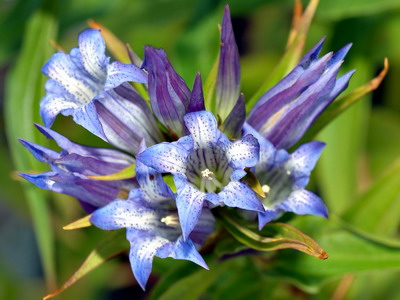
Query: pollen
[[207, 174], [172, 220], [265, 188]]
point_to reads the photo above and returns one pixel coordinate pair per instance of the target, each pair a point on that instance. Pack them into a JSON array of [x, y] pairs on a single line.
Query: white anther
[[265, 188], [172, 220], [207, 174]]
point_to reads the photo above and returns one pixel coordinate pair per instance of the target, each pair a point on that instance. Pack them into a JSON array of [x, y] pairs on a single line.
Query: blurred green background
[[358, 175]]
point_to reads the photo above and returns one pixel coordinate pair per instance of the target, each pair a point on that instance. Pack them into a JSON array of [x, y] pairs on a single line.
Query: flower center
[[208, 169], [171, 220]]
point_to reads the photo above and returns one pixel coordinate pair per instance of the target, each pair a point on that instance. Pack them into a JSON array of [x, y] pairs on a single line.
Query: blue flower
[[285, 112], [206, 167], [283, 178], [153, 226], [84, 85], [72, 166]]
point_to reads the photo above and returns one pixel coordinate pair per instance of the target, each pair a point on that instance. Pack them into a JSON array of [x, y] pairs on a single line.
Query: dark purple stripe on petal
[[169, 94], [228, 80]]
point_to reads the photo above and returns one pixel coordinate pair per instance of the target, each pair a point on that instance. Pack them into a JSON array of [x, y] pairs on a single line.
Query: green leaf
[[126, 173], [351, 252], [285, 236], [112, 245], [24, 89], [377, 210], [191, 287]]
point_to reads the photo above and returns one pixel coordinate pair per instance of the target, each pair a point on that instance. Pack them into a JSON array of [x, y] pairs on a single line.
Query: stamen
[[172, 221], [207, 174], [265, 188]]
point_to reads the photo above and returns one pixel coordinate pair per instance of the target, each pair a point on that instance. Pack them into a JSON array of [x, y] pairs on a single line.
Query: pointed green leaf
[[112, 245], [81, 223], [285, 236]]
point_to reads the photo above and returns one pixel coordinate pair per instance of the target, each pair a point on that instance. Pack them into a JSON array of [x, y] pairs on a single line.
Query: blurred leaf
[[343, 103], [341, 9], [126, 173], [285, 236], [377, 211], [192, 286], [383, 142], [81, 223], [351, 252], [210, 86], [294, 49], [112, 245], [24, 89]]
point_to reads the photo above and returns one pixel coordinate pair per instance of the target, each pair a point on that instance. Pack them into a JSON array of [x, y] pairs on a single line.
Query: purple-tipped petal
[[41, 153], [297, 118], [228, 80], [233, 124], [189, 202], [244, 153], [203, 128], [165, 158], [119, 73], [197, 99], [238, 194], [304, 202], [312, 55], [169, 94]]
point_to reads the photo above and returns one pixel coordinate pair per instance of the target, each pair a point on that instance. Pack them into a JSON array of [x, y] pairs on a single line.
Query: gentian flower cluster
[[208, 151]]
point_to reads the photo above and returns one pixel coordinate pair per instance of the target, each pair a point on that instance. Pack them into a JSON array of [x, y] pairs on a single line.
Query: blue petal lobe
[[238, 194]]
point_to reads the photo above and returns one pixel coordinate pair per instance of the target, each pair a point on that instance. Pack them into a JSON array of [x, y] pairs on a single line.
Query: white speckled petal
[[118, 73], [186, 250], [203, 128], [238, 194], [189, 203], [52, 105], [244, 153], [304, 202], [70, 78], [303, 160], [143, 249], [124, 214], [92, 49], [165, 158], [87, 117]]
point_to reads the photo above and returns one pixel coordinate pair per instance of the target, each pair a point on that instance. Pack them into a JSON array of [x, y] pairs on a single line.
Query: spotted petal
[[238, 194], [304, 202], [203, 128], [119, 73], [143, 249], [123, 214], [244, 153], [189, 202]]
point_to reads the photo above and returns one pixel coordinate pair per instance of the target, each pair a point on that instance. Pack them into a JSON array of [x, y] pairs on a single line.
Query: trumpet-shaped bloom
[[285, 112], [206, 167], [84, 85], [72, 166], [283, 178], [153, 225]]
